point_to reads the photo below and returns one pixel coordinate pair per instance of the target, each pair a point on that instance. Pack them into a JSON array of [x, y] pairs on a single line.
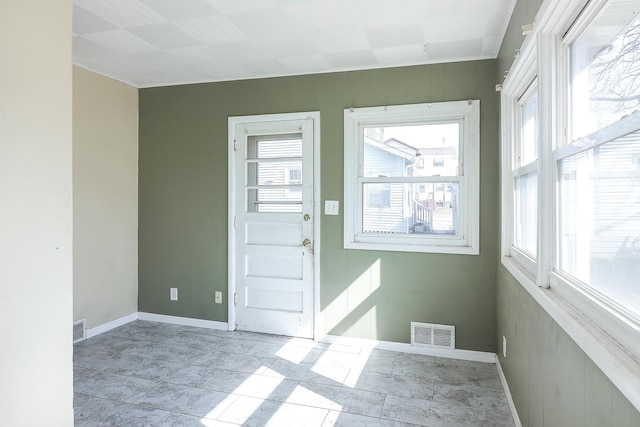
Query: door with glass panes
[[274, 227]]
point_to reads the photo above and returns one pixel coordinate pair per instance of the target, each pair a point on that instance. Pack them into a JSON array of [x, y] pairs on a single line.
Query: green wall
[[552, 381], [366, 294]]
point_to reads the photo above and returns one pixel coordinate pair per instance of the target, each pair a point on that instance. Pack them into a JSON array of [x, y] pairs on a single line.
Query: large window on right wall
[[571, 177], [598, 163]]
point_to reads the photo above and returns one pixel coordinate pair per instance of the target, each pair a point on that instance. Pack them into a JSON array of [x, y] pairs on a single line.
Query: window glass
[[605, 69], [378, 195], [528, 147], [598, 174], [600, 219], [401, 150], [274, 174], [526, 212], [403, 209], [525, 181], [274, 148]]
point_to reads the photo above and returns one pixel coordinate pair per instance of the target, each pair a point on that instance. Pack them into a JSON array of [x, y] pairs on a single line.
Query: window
[[411, 177], [292, 178], [598, 179], [378, 195], [274, 173], [525, 172], [571, 176], [295, 176]]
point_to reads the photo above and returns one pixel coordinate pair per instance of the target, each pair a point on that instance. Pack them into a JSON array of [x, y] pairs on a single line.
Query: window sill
[[407, 247], [615, 360]]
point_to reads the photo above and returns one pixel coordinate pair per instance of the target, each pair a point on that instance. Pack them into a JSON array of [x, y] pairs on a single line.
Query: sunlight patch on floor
[[293, 353], [256, 383]]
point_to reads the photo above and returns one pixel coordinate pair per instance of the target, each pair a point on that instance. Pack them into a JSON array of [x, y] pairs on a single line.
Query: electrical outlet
[[504, 346], [173, 294], [218, 297]]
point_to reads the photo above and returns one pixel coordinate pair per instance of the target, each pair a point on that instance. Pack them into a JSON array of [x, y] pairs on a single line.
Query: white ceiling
[[148, 43]]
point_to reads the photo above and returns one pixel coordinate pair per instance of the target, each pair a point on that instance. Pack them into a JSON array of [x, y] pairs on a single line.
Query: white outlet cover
[[331, 207]]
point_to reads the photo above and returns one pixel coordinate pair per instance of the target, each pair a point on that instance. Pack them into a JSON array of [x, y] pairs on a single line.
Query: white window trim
[[600, 328], [467, 241], [522, 78]]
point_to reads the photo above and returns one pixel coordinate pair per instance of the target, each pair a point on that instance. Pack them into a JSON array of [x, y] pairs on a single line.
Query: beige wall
[[105, 198], [35, 213]]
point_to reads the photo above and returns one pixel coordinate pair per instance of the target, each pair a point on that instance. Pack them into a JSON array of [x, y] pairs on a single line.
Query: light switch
[[331, 207]]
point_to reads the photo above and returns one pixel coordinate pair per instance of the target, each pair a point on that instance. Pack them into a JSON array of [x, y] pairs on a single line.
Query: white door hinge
[[235, 145], [235, 221], [235, 298]]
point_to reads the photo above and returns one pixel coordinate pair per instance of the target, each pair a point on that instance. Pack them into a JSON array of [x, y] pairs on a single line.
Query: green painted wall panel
[[367, 294], [552, 381]]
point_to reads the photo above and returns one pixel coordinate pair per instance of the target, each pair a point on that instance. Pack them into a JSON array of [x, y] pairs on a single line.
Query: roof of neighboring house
[[392, 142], [393, 149], [435, 151]]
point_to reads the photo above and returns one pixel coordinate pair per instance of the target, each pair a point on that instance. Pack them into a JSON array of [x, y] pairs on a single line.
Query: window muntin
[[418, 152], [598, 177]]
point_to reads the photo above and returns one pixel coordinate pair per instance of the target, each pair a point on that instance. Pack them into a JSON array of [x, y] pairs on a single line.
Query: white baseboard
[[507, 392], [111, 325], [185, 321], [475, 356]]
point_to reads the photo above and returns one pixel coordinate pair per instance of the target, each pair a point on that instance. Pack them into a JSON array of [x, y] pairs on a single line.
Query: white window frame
[[465, 112], [622, 324], [522, 79], [606, 333]]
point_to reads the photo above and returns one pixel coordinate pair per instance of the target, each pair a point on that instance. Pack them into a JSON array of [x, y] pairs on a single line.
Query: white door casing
[[271, 236]]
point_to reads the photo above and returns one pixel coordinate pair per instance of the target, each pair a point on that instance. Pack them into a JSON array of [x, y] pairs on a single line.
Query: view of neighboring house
[[277, 164], [410, 208]]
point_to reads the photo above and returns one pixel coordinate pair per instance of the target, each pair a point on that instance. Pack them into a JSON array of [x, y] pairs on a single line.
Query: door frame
[[232, 188]]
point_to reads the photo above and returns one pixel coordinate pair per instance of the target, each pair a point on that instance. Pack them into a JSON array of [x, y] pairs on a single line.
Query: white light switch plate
[[331, 207]]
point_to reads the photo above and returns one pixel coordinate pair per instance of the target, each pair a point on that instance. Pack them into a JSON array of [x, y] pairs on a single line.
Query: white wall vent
[[432, 335], [79, 330]]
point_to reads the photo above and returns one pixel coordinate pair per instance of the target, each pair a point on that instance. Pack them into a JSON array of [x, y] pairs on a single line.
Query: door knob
[[306, 243]]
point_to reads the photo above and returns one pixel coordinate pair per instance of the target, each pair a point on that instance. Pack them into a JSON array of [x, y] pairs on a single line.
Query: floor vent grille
[[432, 335], [79, 330]]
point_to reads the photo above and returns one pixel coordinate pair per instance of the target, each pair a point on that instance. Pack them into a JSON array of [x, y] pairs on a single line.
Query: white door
[[274, 226]]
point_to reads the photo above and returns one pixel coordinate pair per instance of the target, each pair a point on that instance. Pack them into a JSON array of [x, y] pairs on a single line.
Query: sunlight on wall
[[355, 296]]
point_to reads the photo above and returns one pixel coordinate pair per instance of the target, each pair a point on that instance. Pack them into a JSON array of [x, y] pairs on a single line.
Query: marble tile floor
[[155, 374]]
